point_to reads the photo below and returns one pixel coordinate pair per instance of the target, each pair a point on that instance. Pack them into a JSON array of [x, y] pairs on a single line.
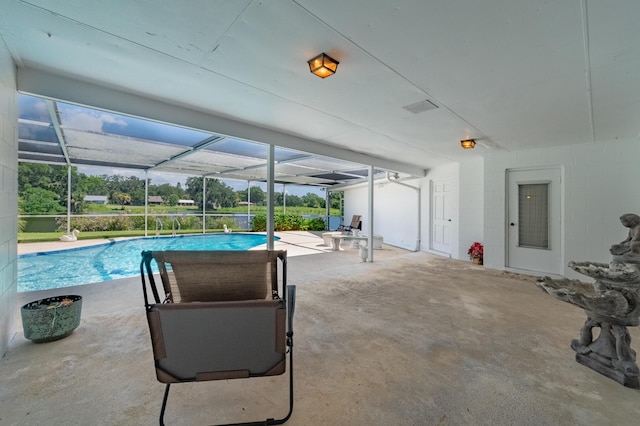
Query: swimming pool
[[119, 259]]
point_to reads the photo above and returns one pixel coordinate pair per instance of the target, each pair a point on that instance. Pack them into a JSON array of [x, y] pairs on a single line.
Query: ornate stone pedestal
[[612, 303], [610, 354]]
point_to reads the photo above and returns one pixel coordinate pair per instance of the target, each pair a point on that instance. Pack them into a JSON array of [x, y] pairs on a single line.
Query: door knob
[[512, 224], [449, 220]]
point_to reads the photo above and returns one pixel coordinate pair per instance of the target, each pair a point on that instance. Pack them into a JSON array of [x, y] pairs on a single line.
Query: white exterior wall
[[356, 201], [397, 208], [471, 214], [451, 172], [395, 205], [599, 184], [8, 197]]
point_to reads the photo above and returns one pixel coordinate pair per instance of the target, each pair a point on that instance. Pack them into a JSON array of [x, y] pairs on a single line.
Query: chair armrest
[[291, 306]]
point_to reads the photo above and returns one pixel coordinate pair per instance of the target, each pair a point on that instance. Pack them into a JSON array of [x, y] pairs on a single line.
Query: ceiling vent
[[421, 106]]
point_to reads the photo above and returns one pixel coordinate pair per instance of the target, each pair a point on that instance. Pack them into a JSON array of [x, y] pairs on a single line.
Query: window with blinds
[[533, 215]]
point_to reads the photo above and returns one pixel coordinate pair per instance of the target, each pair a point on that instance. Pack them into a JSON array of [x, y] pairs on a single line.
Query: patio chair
[[222, 316], [356, 223]]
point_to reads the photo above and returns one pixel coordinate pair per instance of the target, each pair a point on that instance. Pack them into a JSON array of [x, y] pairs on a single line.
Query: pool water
[[119, 259]]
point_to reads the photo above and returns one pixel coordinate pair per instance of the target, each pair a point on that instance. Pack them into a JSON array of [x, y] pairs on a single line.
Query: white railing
[[158, 222], [242, 221]]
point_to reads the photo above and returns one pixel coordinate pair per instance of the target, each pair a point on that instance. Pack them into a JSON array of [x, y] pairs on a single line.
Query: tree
[[129, 185], [22, 224], [294, 201], [334, 200], [41, 201], [313, 200], [194, 189], [170, 194], [257, 195], [51, 178], [218, 194], [278, 199], [33, 175], [95, 185], [172, 199], [121, 198]]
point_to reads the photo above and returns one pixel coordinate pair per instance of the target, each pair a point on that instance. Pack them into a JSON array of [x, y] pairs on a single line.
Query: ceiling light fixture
[[323, 65], [468, 143]]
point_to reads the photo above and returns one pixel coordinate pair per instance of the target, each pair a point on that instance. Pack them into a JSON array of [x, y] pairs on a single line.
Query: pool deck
[[28, 248], [410, 339]]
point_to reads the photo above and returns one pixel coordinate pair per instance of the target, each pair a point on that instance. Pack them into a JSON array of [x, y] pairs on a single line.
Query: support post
[[270, 196], [204, 204], [248, 204], [146, 202], [68, 199], [327, 209], [370, 243]]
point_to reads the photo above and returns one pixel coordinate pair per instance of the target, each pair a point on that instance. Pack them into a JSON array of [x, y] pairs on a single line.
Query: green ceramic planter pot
[[51, 319]]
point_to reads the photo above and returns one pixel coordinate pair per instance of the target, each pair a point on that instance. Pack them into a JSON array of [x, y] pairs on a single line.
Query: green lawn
[[116, 209], [36, 237], [280, 209], [153, 209]]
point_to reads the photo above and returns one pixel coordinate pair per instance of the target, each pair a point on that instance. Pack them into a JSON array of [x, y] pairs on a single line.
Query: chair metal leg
[[266, 422], [164, 404], [283, 420]]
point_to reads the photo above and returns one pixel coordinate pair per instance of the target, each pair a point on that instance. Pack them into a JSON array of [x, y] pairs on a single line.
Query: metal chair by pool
[[222, 317], [356, 223]]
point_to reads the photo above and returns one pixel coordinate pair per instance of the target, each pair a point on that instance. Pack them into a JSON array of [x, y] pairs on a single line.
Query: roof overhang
[[228, 148]]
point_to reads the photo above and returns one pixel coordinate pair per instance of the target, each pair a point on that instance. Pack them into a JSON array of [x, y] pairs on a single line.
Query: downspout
[[419, 192]]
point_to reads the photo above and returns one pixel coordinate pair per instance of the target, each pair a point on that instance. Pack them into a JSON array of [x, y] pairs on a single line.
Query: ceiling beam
[[192, 150], [55, 119], [58, 87]]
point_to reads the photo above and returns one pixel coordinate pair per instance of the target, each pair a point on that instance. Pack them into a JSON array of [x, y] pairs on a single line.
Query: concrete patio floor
[[410, 339]]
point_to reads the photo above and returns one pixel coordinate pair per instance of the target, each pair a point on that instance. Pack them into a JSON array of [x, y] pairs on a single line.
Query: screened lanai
[[60, 133]]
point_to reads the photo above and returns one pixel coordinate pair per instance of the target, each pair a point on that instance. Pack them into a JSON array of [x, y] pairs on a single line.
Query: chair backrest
[[200, 276], [356, 221]]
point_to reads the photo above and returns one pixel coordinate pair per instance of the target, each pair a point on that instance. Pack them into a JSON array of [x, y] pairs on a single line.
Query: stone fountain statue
[[611, 303]]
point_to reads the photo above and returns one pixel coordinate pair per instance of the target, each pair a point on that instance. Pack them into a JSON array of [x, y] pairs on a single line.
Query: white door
[[533, 220], [441, 215]]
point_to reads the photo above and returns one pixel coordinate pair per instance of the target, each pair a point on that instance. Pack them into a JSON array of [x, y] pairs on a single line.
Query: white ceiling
[[513, 75]]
